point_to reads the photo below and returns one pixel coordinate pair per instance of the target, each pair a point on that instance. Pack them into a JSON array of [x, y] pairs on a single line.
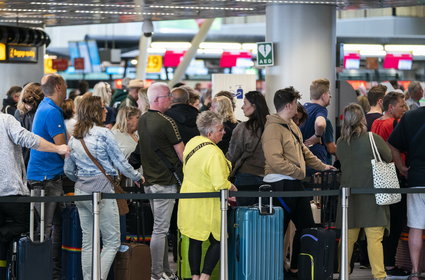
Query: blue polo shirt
[[314, 110], [48, 122]]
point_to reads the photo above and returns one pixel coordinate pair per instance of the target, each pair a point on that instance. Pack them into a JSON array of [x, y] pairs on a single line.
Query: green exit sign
[[265, 54]]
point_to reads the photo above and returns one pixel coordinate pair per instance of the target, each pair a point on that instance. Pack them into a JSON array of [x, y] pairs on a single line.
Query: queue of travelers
[[91, 139]]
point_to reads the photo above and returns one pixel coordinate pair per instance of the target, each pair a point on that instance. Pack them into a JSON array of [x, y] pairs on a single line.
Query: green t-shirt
[[158, 131]]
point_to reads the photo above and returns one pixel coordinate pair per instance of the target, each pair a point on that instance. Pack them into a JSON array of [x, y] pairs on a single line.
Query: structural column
[[304, 38]]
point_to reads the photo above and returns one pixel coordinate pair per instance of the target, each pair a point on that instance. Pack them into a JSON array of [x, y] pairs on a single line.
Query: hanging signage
[[3, 54], [154, 64], [60, 64], [265, 55], [173, 58], [18, 54], [352, 61], [229, 59], [79, 63], [398, 61]]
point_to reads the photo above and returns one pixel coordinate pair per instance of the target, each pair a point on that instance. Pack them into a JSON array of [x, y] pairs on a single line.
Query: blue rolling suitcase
[[256, 242], [31, 259], [71, 244]]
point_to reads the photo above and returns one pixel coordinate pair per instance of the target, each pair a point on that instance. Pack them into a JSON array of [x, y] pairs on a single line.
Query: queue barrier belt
[[139, 196]]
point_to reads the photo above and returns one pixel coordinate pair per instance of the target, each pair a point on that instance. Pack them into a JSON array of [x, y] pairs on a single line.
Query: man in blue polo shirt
[[314, 127], [45, 169]]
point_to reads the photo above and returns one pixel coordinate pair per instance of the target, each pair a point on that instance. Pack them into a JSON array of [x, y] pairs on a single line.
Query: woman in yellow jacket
[[205, 169]]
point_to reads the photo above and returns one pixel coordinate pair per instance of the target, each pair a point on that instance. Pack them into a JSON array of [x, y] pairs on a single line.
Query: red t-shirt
[[383, 128]]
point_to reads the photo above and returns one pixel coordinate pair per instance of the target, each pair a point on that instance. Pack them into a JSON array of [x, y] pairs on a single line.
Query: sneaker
[[396, 272], [169, 277]]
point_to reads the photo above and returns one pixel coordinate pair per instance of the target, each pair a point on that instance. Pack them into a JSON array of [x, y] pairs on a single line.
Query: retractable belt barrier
[[137, 196], [343, 193]]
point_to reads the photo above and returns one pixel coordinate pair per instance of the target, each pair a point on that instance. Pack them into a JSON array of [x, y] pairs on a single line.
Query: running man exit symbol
[[265, 54]]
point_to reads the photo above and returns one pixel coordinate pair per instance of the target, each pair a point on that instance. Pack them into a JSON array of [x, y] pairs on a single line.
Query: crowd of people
[[173, 140]]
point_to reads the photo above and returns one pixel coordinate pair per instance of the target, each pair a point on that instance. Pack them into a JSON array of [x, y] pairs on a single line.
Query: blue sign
[[239, 93]]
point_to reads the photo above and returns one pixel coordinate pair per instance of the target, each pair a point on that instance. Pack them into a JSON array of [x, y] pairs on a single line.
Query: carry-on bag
[[133, 259], [139, 221], [256, 242], [71, 244], [317, 254], [32, 259], [183, 267]]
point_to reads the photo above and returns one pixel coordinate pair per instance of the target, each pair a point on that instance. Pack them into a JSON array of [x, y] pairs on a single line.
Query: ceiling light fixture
[[85, 5], [22, 21], [32, 10], [294, 2], [122, 13], [414, 49], [201, 8], [363, 47]]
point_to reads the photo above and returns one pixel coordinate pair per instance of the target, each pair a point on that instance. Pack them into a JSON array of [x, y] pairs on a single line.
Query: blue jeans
[[109, 229], [162, 210]]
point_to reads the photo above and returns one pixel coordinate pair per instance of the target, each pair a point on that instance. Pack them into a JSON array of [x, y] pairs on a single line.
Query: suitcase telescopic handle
[[265, 188]]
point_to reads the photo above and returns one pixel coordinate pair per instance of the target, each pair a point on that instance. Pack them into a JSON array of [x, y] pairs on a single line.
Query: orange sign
[[79, 63], [60, 64]]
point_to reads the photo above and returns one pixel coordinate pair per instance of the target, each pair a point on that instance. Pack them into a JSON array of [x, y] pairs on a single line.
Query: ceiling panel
[[74, 12]]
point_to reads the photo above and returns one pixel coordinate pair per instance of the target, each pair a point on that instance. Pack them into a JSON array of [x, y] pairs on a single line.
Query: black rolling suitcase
[[317, 254], [32, 259], [318, 246]]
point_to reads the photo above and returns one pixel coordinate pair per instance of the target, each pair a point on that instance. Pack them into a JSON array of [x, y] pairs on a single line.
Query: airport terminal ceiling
[[75, 12]]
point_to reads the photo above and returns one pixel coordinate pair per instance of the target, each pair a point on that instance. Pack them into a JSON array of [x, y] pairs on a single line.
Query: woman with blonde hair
[[354, 147], [90, 134], [104, 91], [143, 102], [30, 98], [125, 129], [223, 107]]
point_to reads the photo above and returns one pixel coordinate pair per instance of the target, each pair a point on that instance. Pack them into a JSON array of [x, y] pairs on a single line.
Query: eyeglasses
[[168, 95]]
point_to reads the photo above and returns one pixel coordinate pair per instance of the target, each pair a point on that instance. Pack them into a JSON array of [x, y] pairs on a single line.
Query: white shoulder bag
[[384, 177]]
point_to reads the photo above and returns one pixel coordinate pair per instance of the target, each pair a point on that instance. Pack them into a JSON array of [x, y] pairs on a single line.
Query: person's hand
[[233, 188], [138, 183], [404, 170], [63, 150], [313, 140], [330, 167], [232, 201]]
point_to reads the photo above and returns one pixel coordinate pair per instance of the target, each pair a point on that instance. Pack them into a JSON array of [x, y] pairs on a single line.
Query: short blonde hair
[[224, 108], [103, 90], [125, 113], [207, 121], [318, 88]]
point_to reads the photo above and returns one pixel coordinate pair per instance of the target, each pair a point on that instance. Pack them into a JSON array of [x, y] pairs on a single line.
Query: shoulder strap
[[94, 160], [287, 127], [160, 153], [195, 150]]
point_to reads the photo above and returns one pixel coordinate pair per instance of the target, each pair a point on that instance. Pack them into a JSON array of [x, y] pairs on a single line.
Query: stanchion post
[[224, 273], [96, 236], [344, 234]]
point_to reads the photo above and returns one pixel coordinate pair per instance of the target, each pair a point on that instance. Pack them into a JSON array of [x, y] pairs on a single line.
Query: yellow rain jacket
[[207, 170]]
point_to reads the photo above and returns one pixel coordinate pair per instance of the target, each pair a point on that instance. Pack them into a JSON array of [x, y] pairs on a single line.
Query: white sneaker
[[169, 277]]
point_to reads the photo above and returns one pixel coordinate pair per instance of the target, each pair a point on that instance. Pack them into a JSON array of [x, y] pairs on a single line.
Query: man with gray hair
[[161, 152], [183, 114], [415, 92]]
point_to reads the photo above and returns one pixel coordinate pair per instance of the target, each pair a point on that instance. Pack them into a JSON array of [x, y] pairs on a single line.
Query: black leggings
[[211, 257]]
